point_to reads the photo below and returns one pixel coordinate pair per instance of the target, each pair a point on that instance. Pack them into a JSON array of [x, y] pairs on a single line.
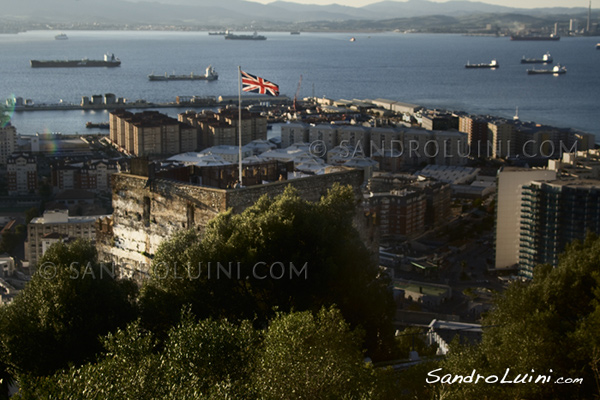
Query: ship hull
[[73, 63], [244, 37], [481, 66], [536, 38], [546, 72], [181, 78], [535, 61]]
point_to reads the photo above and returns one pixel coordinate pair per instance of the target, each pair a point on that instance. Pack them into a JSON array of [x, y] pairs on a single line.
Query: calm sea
[[425, 69]]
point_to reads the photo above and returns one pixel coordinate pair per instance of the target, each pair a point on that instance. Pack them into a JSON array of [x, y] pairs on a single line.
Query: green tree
[[550, 323], [31, 213], [11, 239], [58, 317], [317, 238], [298, 356], [313, 357]]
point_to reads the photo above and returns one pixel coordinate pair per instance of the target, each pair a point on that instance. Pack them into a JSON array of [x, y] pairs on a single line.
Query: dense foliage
[[300, 355], [258, 332], [285, 253], [549, 325], [57, 319]]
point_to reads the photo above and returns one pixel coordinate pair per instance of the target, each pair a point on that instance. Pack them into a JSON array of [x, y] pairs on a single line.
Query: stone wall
[[149, 211], [309, 188]]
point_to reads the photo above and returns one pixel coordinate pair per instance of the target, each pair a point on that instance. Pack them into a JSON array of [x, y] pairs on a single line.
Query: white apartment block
[[21, 174], [508, 211], [54, 226]]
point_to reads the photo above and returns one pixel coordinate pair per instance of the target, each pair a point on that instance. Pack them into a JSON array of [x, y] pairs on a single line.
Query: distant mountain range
[[246, 14]]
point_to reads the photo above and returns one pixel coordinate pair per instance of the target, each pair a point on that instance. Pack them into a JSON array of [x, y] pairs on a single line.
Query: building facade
[[149, 210], [54, 226], [221, 128], [21, 174], [8, 142], [399, 213], [553, 214], [508, 211], [151, 133], [296, 132], [91, 175]]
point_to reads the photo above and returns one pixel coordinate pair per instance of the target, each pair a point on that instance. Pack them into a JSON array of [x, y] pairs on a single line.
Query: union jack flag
[[251, 83]]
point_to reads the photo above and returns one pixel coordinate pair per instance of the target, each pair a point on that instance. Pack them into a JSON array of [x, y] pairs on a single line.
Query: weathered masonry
[[149, 210]]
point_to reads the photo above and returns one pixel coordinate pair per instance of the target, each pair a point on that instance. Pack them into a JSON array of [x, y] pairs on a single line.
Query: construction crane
[[297, 92]]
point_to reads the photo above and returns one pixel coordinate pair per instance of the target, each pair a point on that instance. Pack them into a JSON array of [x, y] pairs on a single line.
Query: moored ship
[[109, 61], [254, 36], [210, 75], [546, 59], [557, 70], [535, 37], [492, 64], [99, 125]]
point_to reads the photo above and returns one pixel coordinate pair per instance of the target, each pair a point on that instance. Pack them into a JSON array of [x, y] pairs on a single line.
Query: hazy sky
[[508, 3]]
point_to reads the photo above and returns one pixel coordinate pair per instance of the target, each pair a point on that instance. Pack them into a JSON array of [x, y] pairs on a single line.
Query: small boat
[[294, 32], [220, 33], [352, 39], [557, 70], [61, 36], [597, 46], [209, 75], [493, 64], [546, 59]]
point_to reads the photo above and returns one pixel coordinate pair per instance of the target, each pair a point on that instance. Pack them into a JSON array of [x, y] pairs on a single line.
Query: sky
[[507, 3]]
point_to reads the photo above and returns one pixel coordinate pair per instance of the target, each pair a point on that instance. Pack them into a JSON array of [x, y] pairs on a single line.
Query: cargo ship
[[492, 64], [210, 75], [557, 70], [99, 125], [546, 59], [109, 61], [254, 36], [535, 37]]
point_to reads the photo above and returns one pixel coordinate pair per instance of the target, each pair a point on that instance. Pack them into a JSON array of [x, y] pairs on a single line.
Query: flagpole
[[240, 123]]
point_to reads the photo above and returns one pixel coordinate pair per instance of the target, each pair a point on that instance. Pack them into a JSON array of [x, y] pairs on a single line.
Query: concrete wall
[[508, 211]]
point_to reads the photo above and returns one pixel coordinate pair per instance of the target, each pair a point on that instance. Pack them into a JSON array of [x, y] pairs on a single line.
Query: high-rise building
[[222, 128], [151, 133], [508, 211], [296, 132], [8, 142], [477, 130], [553, 214], [503, 138]]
